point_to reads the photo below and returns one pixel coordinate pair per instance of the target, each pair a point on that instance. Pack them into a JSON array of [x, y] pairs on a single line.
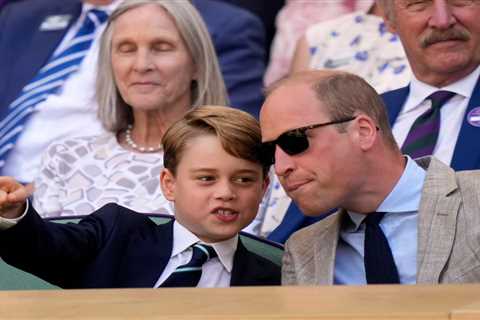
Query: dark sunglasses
[[293, 141]]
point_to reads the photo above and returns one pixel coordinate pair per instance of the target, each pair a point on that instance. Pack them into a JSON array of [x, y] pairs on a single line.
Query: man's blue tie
[[378, 258], [189, 274], [48, 81]]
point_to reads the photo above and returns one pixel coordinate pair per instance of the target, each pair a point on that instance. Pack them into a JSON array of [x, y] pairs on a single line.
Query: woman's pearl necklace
[[134, 146]]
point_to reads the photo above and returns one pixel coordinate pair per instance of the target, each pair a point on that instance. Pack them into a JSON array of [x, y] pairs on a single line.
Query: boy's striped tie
[[189, 274]]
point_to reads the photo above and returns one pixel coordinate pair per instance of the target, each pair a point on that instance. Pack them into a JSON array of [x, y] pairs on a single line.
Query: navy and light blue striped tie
[[189, 274], [48, 81], [423, 134]]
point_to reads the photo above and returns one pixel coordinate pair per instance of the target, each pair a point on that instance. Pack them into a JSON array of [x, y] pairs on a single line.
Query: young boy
[[215, 178]]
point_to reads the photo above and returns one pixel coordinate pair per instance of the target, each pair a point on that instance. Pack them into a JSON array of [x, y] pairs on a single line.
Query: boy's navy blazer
[[466, 155], [111, 248]]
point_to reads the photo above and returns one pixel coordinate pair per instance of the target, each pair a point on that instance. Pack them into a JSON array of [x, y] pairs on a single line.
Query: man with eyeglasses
[[400, 220]]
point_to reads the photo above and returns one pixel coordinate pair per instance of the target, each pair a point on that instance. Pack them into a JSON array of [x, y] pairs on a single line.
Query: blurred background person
[[2, 3], [156, 61], [358, 43], [438, 113], [48, 28], [47, 74], [292, 21], [266, 11], [239, 40]]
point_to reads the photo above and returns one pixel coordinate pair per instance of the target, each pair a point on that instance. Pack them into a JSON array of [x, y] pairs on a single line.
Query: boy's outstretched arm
[[13, 196]]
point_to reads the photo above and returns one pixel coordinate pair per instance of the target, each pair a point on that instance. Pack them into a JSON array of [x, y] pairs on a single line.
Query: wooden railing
[[334, 302]]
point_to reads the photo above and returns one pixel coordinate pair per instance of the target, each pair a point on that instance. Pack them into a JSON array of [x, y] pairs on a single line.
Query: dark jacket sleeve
[[55, 252]]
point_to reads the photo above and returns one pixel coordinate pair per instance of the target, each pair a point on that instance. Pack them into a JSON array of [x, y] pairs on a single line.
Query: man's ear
[[167, 183], [386, 14], [367, 132]]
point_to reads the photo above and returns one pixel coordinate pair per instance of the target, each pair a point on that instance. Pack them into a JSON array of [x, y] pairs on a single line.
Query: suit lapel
[[325, 249], [436, 220], [465, 156], [30, 52], [146, 257], [46, 41], [394, 101]]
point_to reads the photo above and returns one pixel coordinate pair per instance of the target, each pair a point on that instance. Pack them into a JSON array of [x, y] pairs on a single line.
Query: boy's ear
[[167, 183]]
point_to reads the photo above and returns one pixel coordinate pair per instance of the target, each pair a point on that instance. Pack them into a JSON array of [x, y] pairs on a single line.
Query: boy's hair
[[238, 132]]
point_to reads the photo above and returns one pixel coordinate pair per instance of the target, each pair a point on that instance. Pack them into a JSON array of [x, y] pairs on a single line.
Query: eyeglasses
[[293, 141]]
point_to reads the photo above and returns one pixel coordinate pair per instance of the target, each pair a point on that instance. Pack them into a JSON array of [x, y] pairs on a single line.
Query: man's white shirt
[[216, 272], [452, 113]]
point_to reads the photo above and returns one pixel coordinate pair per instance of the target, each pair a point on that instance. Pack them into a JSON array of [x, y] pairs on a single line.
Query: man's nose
[[284, 163], [442, 15]]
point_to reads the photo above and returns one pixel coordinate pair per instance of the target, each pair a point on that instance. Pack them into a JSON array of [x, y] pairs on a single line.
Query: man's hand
[[13, 196]]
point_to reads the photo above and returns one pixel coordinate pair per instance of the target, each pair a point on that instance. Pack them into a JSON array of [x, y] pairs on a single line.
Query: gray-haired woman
[[156, 61]]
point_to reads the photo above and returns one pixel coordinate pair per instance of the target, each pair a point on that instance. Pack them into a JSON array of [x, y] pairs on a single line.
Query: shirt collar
[[404, 197], [184, 239], [419, 90], [107, 8]]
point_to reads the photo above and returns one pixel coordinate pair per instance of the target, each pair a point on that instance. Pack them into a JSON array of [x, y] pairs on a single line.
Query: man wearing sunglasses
[[400, 220]]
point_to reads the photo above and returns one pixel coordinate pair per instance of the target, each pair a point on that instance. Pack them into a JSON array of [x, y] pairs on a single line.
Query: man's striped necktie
[[423, 134], [189, 274], [49, 80]]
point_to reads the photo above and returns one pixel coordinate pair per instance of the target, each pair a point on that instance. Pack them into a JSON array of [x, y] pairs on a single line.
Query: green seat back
[[12, 278]]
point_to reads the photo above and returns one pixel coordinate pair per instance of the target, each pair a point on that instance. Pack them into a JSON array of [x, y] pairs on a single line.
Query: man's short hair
[[344, 95], [239, 134]]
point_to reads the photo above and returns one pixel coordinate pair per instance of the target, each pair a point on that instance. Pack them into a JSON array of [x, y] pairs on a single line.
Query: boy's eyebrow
[[248, 171], [200, 169]]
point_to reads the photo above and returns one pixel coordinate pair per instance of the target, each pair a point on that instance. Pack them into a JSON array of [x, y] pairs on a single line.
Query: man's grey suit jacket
[[448, 234]]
